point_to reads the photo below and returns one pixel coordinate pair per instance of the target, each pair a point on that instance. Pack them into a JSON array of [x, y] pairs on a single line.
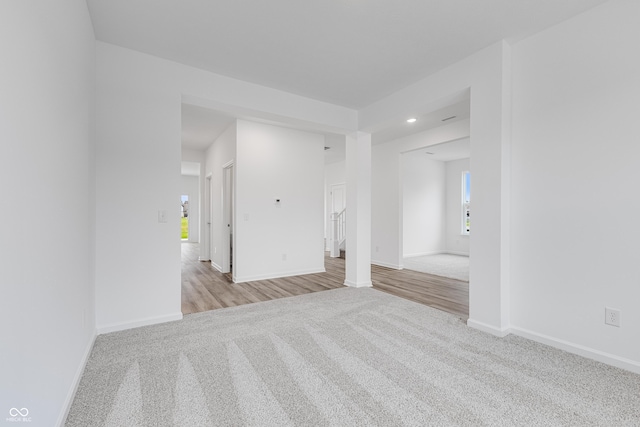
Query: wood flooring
[[204, 288]]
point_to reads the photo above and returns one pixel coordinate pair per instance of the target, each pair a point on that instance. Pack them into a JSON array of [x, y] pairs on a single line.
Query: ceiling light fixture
[[412, 120]]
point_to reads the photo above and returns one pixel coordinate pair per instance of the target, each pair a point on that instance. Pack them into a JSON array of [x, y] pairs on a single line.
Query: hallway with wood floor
[[205, 288]]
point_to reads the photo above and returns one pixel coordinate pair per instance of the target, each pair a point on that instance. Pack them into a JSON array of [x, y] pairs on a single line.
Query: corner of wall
[[77, 377]]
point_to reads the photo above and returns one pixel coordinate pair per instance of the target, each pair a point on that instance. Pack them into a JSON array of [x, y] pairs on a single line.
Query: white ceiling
[[201, 126], [347, 52]]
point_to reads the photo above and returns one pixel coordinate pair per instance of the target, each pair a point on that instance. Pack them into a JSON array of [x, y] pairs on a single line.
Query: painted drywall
[[455, 242], [423, 204], [139, 101], [138, 178], [285, 238], [46, 169], [334, 173], [222, 152], [575, 164], [190, 185], [386, 194]]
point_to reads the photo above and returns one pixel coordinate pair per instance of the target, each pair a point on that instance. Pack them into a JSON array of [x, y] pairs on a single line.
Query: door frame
[[228, 223]]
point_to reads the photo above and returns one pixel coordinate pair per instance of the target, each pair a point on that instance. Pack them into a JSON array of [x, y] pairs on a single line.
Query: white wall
[[47, 100], [575, 169], [423, 204], [190, 185], [278, 163], [334, 173], [138, 174], [138, 122], [220, 153], [456, 242], [386, 189]]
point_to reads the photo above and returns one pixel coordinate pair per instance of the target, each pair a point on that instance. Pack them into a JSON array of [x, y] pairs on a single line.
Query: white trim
[[114, 327], [456, 253], [216, 266], [422, 254], [436, 253], [484, 327], [388, 265], [358, 285], [68, 401], [203, 259], [243, 279], [600, 356]]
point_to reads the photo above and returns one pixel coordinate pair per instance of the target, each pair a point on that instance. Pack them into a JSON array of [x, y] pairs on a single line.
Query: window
[[466, 202]]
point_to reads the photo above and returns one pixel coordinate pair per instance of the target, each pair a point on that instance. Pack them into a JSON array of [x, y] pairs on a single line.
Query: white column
[[358, 244]]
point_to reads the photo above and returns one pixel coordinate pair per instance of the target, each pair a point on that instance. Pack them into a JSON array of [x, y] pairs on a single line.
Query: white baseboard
[[590, 353], [436, 253], [421, 254], [580, 350], [68, 401], [358, 284], [203, 259], [242, 279], [484, 327], [456, 253], [386, 264], [114, 327], [216, 266]]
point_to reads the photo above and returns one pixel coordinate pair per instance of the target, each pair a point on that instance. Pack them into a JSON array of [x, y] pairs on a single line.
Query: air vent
[[449, 118], [427, 152]]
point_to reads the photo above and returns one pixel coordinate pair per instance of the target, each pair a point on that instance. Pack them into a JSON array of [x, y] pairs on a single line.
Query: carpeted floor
[[343, 357], [445, 265]]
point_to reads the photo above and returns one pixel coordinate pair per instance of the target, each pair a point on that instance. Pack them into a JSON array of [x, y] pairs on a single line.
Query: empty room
[[92, 113]]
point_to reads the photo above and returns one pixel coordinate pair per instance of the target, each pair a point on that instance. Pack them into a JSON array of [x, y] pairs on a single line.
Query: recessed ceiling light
[[412, 120]]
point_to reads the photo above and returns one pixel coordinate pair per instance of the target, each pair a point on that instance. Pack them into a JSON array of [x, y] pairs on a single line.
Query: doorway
[[228, 215], [436, 202]]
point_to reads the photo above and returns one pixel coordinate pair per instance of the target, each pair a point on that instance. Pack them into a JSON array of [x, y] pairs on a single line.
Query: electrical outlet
[[612, 316]]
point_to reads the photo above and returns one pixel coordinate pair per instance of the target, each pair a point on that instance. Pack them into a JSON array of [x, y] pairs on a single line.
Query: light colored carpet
[[344, 357], [445, 265]]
